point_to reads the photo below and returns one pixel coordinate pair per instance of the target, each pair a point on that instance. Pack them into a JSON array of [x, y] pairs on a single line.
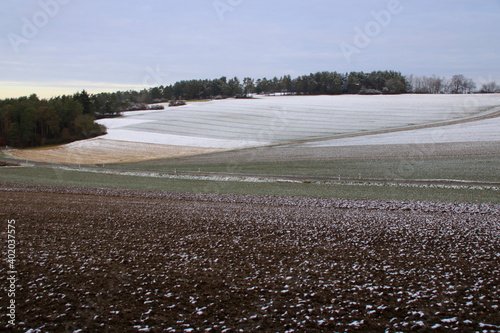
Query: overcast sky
[[53, 47]]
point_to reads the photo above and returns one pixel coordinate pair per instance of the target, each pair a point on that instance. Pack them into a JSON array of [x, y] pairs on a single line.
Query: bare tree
[[427, 85], [490, 87], [459, 84], [436, 84]]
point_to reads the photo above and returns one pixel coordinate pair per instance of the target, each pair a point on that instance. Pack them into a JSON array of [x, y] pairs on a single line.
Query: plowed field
[[130, 261]]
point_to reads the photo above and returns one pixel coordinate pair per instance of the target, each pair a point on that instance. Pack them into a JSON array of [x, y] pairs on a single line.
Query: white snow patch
[[450, 320], [178, 140], [484, 325], [356, 323]]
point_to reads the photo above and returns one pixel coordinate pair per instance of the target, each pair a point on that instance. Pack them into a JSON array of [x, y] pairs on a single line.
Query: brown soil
[[8, 164], [126, 261], [107, 151]]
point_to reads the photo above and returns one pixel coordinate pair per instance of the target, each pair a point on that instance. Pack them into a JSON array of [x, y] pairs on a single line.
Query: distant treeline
[[321, 83], [30, 121]]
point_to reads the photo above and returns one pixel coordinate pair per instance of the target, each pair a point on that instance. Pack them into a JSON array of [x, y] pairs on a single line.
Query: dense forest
[[30, 121], [321, 83]]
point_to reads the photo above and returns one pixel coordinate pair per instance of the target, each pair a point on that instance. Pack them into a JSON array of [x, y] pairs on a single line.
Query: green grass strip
[[58, 177]]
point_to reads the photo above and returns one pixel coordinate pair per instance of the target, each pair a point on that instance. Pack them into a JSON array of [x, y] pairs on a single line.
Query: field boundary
[[259, 178]]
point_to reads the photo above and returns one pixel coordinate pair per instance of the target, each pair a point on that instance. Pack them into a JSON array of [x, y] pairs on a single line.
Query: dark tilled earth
[[91, 260]]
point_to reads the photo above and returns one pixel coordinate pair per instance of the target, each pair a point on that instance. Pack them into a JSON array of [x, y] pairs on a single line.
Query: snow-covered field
[[314, 121], [475, 131], [232, 124]]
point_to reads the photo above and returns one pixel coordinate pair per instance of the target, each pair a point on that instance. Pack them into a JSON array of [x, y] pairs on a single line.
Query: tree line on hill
[[30, 121], [321, 83]]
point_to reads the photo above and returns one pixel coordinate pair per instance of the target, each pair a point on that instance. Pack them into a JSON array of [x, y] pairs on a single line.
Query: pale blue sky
[[50, 47]]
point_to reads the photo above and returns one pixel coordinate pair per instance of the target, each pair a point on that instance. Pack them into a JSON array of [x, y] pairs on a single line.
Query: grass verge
[[57, 177], [484, 169]]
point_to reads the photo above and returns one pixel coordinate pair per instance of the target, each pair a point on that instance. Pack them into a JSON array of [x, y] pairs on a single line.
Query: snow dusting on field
[[232, 124], [206, 127], [109, 260], [178, 140], [477, 131]]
